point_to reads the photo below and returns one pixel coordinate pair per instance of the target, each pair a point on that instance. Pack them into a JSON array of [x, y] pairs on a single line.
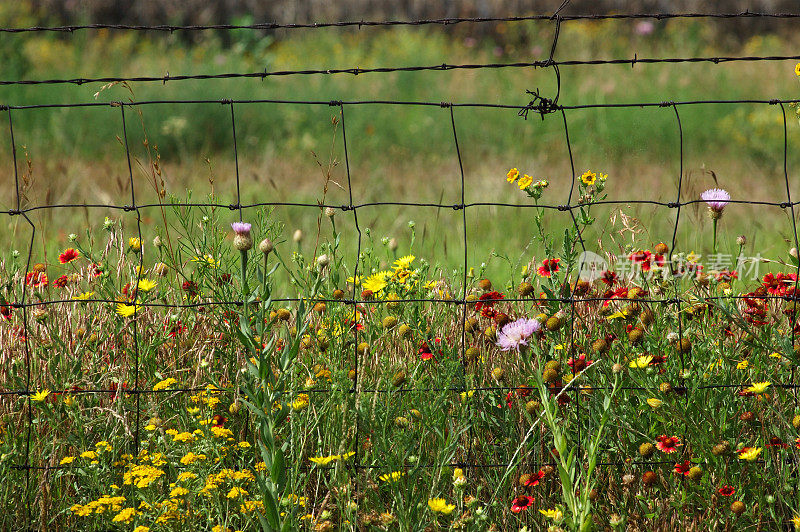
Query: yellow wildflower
[[126, 311], [394, 476], [141, 528], [404, 263], [512, 175], [555, 514], [125, 516], [145, 285], [743, 364], [797, 69], [588, 178], [84, 296], [440, 506], [67, 460], [163, 385], [749, 453], [758, 387], [40, 396], [641, 362], [524, 182], [236, 492], [655, 403]]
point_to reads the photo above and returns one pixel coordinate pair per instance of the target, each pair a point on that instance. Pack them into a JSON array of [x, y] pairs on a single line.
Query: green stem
[[715, 236]]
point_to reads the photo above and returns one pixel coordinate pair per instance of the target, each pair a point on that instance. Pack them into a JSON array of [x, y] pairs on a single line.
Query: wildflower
[[533, 480], [126, 311], [134, 243], [440, 506], [458, 477], [236, 492], [655, 403], [743, 364], [323, 460], [749, 453], [187, 475], [84, 296], [683, 468], [515, 334], [300, 402], [394, 476], [404, 263], [588, 178], [521, 503], [125, 516], [67, 460], [89, 455], [548, 267], [716, 199], [797, 69], [68, 255], [163, 385], [36, 279], [579, 364], [242, 239], [375, 283], [141, 528], [145, 285], [555, 514], [726, 491], [178, 492], [40, 396], [641, 362], [524, 182], [668, 444], [513, 174], [758, 387], [191, 458]]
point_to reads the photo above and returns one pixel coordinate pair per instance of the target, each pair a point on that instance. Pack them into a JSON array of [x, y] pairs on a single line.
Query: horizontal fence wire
[[539, 105]]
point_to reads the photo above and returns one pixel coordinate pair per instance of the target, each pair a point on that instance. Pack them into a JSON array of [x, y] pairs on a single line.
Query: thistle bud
[[266, 246], [298, 236], [330, 212], [242, 240]]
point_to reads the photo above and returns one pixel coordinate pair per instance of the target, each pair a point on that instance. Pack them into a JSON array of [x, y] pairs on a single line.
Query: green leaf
[[278, 472]]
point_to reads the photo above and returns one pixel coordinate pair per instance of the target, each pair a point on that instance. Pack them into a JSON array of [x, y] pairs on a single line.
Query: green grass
[[407, 153]]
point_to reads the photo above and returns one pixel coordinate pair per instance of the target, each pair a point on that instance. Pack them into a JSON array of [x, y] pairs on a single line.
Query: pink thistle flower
[[516, 334], [716, 198]]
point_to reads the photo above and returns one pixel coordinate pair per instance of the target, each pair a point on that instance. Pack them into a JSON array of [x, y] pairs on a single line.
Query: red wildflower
[[5, 311], [777, 442], [727, 275], [668, 444], [797, 443], [579, 364], [488, 300], [69, 255], [520, 503], [683, 469], [643, 258], [534, 479], [61, 282], [96, 270], [425, 352], [548, 267], [219, 420], [190, 287], [726, 491], [36, 279], [609, 277]]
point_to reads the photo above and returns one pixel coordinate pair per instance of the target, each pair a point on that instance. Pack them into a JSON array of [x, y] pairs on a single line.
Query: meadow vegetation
[[196, 367]]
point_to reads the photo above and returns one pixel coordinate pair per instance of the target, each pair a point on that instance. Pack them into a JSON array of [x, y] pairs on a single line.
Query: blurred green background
[[288, 152]]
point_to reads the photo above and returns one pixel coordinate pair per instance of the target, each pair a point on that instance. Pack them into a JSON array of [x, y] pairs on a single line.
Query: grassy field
[[136, 394], [407, 154]]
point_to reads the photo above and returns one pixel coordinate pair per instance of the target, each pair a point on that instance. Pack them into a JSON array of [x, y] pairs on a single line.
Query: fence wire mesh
[[540, 105]]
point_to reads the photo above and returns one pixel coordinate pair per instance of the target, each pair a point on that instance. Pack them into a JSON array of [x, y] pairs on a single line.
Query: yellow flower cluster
[[99, 506], [141, 475], [163, 385]]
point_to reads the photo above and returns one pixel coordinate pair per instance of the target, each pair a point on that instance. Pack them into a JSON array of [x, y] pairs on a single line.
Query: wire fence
[[546, 108]]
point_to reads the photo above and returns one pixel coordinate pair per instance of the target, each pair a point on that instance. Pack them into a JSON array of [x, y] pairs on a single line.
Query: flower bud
[[242, 240], [266, 246], [298, 236], [741, 240], [330, 212]]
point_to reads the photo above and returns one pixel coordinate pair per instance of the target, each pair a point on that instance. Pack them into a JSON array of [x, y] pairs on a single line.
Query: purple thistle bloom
[[241, 228], [716, 198], [516, 333]]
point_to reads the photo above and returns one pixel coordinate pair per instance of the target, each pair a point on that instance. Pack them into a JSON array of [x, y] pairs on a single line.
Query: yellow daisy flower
[[512, 175]]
